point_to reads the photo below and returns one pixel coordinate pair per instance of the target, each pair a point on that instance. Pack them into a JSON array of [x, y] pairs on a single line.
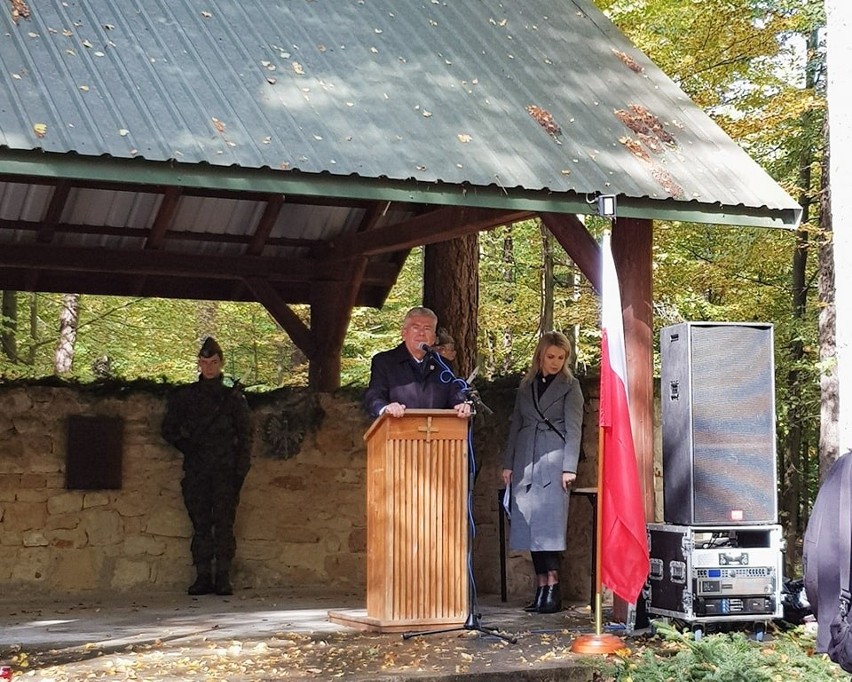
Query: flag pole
[[600, 642], [599, 536]]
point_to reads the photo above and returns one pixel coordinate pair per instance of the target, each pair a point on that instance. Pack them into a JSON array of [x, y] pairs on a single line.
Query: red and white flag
[[624, 544]]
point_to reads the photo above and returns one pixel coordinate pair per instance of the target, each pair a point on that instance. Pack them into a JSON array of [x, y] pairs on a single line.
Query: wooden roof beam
[[165, 263], [165, 214], [46, 229], [283, 314], [265, 224], [572, 234], [428, 228]]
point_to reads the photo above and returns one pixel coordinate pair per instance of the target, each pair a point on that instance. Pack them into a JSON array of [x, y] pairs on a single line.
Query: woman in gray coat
[[540, 463]]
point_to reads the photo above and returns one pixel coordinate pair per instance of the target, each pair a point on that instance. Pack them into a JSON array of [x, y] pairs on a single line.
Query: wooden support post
[[632, 253]]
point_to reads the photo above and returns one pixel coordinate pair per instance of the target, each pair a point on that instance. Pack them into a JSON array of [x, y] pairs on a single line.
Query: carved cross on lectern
[[428, 430]]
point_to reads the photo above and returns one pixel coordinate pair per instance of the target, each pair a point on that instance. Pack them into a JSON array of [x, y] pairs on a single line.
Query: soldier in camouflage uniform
[[209, 423]]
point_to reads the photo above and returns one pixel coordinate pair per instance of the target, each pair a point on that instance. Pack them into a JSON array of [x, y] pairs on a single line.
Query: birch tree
[[63, 359]]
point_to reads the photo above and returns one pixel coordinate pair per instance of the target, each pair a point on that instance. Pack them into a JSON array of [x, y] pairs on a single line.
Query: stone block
[[297, 555], [32, 566], [15, 402], [67, 538], [10, 482], [103, 527], [350, 570], [64, 522], [292, 482], [170, 522], [34, 538], [32, 495], [13, 452], [76, 571], [29, 481], [259, 551], [95, 499], [133, 503], [358, 540], [65, 503], [143, 545], [129, 574], [23, 516]]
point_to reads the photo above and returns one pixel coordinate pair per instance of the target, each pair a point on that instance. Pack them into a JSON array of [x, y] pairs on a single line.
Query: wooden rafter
[[143, 233], [283, 315], [428, 228], [47, 227], [578, 244], [113, 261], [168, 207], [265, 225]]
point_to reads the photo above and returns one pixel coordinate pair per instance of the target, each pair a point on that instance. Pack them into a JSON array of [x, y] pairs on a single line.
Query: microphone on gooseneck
[[426, 348]]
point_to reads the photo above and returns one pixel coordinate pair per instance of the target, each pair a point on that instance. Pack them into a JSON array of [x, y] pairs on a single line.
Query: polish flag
[[624, 544]]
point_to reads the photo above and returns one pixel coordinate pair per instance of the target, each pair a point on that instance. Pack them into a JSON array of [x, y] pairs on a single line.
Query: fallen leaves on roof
[[20, 10], [545, 119], [643, 122], [631, 63], [653, 137]]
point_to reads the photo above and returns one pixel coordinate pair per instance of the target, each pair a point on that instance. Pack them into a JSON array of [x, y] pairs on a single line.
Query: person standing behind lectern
[[408, 377], [540, 463]]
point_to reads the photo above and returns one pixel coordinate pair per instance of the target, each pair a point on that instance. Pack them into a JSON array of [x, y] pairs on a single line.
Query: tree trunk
[[451, 289], [207, 320], [838, 58], [31, 352], [546, 319], [828, 381], [9, 325], [68, 320], [793, 475], [508, 275]]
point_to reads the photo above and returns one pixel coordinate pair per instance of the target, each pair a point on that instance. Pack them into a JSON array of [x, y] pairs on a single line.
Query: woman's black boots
[[551, 601], [535, 604]]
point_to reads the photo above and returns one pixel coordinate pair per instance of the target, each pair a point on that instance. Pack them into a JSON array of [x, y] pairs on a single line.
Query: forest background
[[756, 66]]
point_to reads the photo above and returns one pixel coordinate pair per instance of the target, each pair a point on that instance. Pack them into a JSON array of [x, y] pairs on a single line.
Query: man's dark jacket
[[823, 550], [395, 378]]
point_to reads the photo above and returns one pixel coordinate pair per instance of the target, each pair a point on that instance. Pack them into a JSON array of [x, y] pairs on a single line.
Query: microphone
[[426, 348]]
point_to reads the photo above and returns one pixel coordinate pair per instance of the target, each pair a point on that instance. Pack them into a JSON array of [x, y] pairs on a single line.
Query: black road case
[[707, 574]]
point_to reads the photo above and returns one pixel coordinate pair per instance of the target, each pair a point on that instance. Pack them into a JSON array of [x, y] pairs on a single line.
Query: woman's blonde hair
[[547, 340]]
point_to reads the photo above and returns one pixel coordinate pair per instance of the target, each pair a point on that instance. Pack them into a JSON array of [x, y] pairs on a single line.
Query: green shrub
[[674, 656]]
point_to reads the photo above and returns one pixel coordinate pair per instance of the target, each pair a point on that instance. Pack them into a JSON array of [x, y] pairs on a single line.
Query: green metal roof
[[540, 104]]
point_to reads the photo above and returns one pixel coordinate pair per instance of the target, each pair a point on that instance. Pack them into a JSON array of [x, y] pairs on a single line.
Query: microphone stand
[[473, 621]]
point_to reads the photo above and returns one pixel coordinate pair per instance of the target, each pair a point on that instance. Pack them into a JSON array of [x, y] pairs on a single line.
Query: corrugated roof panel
[[540, 95]]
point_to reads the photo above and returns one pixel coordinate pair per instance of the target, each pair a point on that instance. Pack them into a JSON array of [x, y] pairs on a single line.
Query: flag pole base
[[597, 644]]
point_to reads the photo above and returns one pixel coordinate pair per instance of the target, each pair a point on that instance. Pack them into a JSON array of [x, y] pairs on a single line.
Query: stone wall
[[301, 521]]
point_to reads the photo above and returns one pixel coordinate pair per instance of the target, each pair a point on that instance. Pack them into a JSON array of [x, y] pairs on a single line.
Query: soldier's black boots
[[203, 583], [223, 582], [535, 604], [551, 602]]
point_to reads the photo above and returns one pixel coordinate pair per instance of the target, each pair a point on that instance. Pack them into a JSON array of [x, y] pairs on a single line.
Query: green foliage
[[731, 657]]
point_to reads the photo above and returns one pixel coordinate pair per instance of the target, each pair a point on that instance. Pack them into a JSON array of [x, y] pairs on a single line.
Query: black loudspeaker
[[718, 412]]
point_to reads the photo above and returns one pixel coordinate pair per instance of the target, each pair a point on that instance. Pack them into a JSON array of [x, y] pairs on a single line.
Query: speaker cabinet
[[718, 416]]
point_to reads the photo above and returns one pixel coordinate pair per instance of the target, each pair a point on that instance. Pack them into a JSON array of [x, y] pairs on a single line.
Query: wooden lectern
[[417, 524]]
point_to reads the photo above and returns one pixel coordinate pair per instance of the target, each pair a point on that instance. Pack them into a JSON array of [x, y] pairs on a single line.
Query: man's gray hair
[[420, 311]]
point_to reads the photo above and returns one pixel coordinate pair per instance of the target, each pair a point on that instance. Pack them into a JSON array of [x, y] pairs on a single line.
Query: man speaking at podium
[[409, 376]]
